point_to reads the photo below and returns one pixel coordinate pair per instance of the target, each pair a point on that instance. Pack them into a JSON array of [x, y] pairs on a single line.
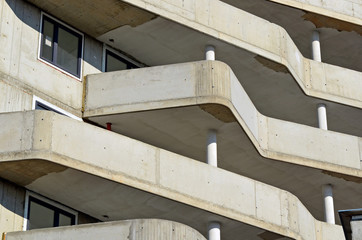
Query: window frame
[[47, 203], [117, 55], [52, 107], [59, 24]]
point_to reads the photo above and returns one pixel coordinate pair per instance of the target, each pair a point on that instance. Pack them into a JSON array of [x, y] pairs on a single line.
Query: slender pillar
[[328, 204], [211, 148], [322, 116], [214, 231], [210, 52], [316, 47]]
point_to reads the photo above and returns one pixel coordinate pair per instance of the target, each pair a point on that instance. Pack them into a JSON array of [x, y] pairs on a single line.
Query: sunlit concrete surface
[[139, 229], [112, 177], [173, 107]]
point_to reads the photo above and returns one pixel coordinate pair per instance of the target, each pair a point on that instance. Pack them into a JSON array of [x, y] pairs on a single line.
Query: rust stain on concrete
[[343, 176], [95, 17], [321, 21], [219, 112], [26, 171], [277, 67]]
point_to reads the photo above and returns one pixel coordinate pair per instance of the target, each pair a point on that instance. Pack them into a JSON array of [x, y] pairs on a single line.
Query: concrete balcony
[[174, 106], [113, 177], [138, 229], [339, 23], [249, 44]]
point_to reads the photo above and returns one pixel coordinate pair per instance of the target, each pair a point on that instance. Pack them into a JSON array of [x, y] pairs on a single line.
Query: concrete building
[[170, 119]]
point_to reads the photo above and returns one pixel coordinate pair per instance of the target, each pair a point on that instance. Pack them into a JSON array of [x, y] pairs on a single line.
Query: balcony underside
[[340, 39], [112, 177], [176, 112], [266, 62]]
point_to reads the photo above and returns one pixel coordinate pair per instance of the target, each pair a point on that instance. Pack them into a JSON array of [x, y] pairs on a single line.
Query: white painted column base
[[322, 116], [211, 157], [214, 231], [328, 204], [316, 47], [210, 52]]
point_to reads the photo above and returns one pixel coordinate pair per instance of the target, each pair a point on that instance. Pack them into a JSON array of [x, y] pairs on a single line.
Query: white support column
[[316, 47], [214, 231], [211, 148], [328, 204], [322, 116], [210, 52]]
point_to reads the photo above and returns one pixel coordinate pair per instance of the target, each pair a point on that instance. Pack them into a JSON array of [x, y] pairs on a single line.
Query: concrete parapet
[[51, 137], [138, 229], [345, 10], [237, 27], [212, 82]]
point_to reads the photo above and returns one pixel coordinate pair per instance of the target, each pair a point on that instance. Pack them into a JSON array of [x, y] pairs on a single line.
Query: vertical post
[[316, 47], [322, 116], [328, 204], [210, 52], [214, 231], [211, 148]]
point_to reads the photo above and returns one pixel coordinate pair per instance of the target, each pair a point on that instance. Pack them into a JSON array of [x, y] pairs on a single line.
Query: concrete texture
[[11, 207], [270, 41], [49, 137], [220, 22], [25, 74], [345, 10], [356, 227], [138, 229], [214, 82]]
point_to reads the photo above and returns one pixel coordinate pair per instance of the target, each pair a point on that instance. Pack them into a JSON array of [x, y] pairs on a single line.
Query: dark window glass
[[43, 215], [116, 63], [41, 106], [61, 46]]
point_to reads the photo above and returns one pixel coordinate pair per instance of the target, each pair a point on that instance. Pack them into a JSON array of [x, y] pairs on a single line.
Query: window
[[40, 104], [61, 46], [42, 213], [114, 62]]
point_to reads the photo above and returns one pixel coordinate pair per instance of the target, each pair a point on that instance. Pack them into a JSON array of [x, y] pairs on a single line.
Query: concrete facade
[[141, 229], [131, 150]]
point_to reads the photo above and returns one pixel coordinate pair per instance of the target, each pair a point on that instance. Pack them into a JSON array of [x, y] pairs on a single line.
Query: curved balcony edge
[[58, 140]]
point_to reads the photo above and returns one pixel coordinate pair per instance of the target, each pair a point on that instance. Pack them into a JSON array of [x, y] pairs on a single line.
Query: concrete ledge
[[237, 27], [138, 229], [345, 10], [212, 82], [51, 137]]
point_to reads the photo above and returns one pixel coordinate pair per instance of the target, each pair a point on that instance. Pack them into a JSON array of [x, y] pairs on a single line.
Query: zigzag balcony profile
[[174, 106]]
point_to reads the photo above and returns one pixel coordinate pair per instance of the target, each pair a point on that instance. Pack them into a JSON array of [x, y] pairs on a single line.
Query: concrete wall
[[222, 21], [140, 229], [11, 207], [22, 74], [157, 171], [356, 227], [214, 82]]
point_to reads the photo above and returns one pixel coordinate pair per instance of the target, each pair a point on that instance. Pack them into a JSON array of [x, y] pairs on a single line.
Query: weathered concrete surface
[[356, 229], [11, 207], [212, 82], [138, 229], [345, 10], [47, 136], [21, 70], [237, 27]]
